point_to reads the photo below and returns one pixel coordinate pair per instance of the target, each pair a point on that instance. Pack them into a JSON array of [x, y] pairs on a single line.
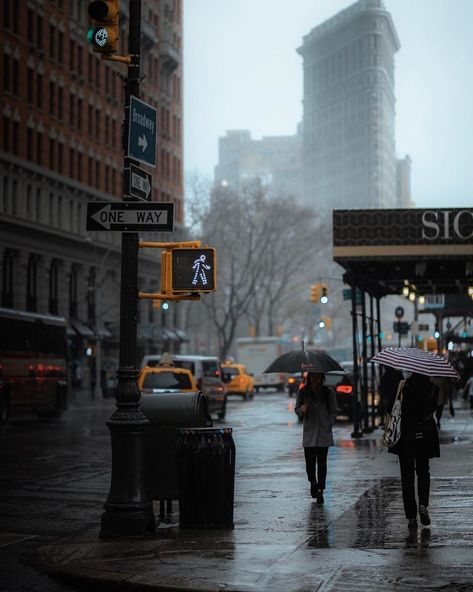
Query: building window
[[29, 85], [79, 166], [16, 77], [97, 174], [16, 133], [60, 157], [52, 36], [51, 97], [51, 153], [30, 26], [73, 291], [37, 212], [53, 287], [39, 147], [71, 55], [7, 278], [60, 47], [71, 162], [60, 95], [6, 133], [39, 31], [79, 113], [29, 144], [89, 170], [6, 73], [90, 69], [72, 100], [32, 283], [90, 120], [97, 124], [97, 73], [39, 91], [79, 60]]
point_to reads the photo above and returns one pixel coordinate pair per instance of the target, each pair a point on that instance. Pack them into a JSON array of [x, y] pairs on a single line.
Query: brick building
[[61, 146]]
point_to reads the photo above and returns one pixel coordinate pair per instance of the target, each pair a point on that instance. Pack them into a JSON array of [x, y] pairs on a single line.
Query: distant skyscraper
[[403, 171], [349, 109], [275, 160]]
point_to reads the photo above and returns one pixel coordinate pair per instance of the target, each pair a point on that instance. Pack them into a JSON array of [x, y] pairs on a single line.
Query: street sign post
[[130, 216], [138, 183], [142, 132]]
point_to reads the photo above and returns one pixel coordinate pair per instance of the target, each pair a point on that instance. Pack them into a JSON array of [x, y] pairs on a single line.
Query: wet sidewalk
[[284, 541]]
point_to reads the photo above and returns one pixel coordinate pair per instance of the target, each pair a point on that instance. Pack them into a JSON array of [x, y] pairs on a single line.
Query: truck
[[257, 353]]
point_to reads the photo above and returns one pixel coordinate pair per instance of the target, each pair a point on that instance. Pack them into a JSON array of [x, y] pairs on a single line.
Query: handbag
[[392, 431]]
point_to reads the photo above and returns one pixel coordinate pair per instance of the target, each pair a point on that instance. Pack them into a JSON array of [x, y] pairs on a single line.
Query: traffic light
[[104, 28], [190, 269], [315, 293], [323, 293]]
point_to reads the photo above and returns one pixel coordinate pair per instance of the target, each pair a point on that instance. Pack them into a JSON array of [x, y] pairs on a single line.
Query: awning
[[81, 328], [104, 332]]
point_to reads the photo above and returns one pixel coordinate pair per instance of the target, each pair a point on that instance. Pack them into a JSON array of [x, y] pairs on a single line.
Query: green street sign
[[358, 295]]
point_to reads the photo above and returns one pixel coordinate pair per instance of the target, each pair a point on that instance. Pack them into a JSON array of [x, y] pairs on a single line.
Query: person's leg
[[423, 479], [406, 463], [322, 452], [438, 413], [423, 487], [310, 459]]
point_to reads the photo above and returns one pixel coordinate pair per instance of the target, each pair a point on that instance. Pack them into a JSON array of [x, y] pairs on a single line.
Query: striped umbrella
[[415, 360]]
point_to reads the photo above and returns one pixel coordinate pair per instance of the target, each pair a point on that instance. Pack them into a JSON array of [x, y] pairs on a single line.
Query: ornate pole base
[[129, 508]]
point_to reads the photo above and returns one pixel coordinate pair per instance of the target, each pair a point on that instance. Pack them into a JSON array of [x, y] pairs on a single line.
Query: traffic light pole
[[129, 508]]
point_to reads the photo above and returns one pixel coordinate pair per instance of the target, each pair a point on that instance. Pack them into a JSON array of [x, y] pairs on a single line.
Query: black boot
[[313, 489], [320, 496]]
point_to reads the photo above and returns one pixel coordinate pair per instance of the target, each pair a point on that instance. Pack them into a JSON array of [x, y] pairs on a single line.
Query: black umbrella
[[304, 361]]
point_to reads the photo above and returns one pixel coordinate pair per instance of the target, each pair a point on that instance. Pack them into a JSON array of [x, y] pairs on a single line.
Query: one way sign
[[130, 216]]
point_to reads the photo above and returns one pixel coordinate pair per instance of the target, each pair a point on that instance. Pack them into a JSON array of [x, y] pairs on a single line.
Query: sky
[[242, 71]]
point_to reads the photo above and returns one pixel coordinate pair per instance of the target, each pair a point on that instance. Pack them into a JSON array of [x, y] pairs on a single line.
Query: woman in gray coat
[[316, 404]]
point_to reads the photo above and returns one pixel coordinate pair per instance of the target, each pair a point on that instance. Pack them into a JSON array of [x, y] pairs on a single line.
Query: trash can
[[167, 412], [206, 472]]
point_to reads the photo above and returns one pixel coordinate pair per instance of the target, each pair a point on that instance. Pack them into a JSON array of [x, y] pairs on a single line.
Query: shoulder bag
[[392, 431]]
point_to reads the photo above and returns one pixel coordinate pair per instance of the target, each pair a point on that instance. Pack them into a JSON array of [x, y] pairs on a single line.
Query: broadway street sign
[[142, 132], [130, 216]]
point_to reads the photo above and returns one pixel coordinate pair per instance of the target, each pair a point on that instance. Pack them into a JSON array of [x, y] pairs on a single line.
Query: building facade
[[276, 161], [349, 109], [403, 172], [61, 146]]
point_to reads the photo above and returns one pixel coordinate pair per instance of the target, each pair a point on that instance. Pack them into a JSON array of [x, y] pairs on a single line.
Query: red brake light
[[344, 388]]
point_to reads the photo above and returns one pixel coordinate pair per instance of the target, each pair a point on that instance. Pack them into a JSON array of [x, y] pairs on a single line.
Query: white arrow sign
[[142, 143], [130, 216]]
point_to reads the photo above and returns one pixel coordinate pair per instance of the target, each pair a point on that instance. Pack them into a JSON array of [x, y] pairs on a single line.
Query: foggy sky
[[241, 71]]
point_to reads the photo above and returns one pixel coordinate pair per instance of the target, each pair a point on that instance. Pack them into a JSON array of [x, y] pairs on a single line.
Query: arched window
[[7, 278], [53, 287]]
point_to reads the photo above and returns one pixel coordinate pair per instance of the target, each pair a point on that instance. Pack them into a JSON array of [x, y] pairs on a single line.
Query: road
[[55, 474]]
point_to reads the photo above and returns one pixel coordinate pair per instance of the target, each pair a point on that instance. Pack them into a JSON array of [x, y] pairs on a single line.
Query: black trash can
[[206, 473], [167, 412]]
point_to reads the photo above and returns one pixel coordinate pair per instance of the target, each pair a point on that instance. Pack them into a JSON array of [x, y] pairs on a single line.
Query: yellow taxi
[[237, 380], [166, 379]]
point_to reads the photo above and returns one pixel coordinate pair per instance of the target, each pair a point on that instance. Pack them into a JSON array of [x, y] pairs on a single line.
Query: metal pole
[[364, 386], [129, 508], [356, 427], [372, 368]]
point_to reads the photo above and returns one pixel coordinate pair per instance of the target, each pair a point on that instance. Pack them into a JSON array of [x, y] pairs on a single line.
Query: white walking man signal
[[199, 268]]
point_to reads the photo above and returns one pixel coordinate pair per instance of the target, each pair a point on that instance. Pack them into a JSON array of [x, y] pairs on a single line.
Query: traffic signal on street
[[323, 293], [327, 322], [189, 269], [104, 28], [315, 291]]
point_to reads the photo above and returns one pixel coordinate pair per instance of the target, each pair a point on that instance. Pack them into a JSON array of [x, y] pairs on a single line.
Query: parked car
[[238, 381], [206, 373], [342, 383]]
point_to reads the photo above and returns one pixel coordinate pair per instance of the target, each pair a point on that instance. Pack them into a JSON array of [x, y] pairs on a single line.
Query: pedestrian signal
[[104, 29], [193, 270]]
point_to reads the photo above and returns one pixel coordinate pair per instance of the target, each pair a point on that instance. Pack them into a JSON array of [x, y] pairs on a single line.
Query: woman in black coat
[[418, 443]]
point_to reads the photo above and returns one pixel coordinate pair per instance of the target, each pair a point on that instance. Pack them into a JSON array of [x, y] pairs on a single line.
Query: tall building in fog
[[275, 160], [61, 146], [349, 109], [403, 172]]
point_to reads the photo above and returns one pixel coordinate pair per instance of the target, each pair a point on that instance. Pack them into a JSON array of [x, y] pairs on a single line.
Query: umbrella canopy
[[415, 360], [304, 361]]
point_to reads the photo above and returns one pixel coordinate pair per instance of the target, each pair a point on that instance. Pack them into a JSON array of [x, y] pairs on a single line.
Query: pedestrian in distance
[[316, 404], [468, 390], [418, 443]]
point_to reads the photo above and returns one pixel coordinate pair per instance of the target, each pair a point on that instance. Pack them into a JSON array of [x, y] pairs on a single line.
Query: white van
[[207, 373]]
